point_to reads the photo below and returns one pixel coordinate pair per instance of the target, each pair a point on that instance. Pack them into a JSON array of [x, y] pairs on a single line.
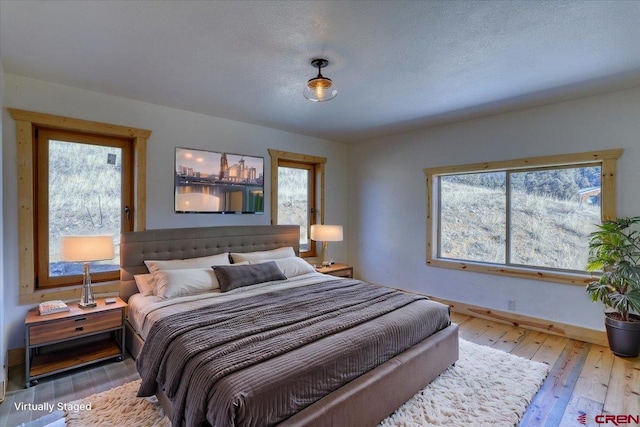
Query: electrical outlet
[[511, 305]]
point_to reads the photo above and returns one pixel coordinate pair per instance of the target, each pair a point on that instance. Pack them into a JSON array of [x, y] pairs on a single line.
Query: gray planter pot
[[624, 337]]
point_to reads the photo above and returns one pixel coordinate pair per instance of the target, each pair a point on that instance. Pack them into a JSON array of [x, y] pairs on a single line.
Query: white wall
[[387, 195], [171, 128]]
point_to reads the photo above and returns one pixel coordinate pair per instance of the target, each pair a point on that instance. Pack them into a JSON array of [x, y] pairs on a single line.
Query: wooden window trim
[[607, 158], [278, 157], [26, 122]]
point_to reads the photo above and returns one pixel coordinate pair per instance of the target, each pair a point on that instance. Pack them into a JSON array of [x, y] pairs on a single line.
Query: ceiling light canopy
[[320, 88]]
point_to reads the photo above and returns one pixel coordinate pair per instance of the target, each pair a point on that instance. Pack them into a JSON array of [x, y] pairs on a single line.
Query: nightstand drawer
[[75, 326], [347, 272]]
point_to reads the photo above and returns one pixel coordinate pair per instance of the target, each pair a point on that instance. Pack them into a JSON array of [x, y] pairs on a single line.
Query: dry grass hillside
[[84, 198], [545, 231]]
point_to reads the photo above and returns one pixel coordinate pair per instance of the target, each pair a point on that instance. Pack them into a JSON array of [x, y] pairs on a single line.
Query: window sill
[[522, 273], [69, 292]]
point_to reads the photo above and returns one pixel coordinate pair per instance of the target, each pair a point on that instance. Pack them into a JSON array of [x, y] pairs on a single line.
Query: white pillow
[[181, 264], [145, 284], [186, 281], [273, 254], [291, 266]]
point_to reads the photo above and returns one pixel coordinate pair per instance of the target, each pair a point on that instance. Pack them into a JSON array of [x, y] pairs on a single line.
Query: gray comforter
[[259, 360]]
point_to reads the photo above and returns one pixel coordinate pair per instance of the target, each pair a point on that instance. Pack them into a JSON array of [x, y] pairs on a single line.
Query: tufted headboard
[[179, 243]]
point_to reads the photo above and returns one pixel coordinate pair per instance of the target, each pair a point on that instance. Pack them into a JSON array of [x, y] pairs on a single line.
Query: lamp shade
[[326, 233], [87, 248], [320, 88]]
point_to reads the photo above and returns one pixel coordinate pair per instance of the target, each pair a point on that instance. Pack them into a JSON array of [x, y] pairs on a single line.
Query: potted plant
[[614, 249]]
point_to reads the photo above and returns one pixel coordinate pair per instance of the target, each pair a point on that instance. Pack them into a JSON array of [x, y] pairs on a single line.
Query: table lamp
[[86, 249], [325, 234]]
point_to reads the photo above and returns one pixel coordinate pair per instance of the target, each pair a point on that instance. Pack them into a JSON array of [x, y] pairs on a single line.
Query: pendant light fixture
[[320, 88]]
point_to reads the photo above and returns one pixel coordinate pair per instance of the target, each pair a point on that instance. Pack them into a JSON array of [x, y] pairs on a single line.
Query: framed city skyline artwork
[[218, 182]]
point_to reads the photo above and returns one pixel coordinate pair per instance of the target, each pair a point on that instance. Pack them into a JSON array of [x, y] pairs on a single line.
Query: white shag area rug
[[486, 387]]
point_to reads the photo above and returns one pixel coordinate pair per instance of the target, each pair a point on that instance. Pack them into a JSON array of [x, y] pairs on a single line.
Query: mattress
[[277, 384]]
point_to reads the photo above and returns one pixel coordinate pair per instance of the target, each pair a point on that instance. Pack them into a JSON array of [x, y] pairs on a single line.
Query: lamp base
[[87, 305], [86, 299], [325, 255]]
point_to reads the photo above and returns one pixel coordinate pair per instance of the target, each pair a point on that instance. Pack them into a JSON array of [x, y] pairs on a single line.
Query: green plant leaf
[[614, 249]]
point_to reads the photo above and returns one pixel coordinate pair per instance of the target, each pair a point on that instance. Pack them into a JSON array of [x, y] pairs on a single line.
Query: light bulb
[[320, 89]]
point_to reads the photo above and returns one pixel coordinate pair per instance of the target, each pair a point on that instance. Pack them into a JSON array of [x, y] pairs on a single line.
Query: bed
[[283, 387]]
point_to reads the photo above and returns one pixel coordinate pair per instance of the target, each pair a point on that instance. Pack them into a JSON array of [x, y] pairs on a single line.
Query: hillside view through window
[[294, 200], [85, 182], [532, 218]]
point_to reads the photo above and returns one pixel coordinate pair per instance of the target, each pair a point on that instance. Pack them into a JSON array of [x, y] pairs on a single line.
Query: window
[[297, 189], [527, 218], [50, 150], [83, 187]]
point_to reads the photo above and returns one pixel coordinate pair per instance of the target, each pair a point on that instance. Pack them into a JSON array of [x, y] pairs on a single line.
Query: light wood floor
[[584, 378]]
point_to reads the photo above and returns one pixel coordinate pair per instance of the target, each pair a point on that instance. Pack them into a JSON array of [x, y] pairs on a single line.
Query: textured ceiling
[[398, 65]]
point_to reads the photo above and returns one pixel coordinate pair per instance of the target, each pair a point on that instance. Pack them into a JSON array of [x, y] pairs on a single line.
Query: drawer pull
[[80, 328], [81, 319]]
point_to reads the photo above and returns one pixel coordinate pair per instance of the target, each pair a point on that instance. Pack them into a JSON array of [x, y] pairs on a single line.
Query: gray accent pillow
[[236, 276]]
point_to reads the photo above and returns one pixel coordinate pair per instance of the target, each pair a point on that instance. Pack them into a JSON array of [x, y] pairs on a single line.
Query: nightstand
[[340, 270], [61, 341]]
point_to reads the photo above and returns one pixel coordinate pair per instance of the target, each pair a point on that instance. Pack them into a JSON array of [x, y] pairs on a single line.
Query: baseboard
[[15, 357], [554, 328]]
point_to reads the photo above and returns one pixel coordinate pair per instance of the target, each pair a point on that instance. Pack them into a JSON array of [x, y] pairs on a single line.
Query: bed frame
[[365, 401]]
